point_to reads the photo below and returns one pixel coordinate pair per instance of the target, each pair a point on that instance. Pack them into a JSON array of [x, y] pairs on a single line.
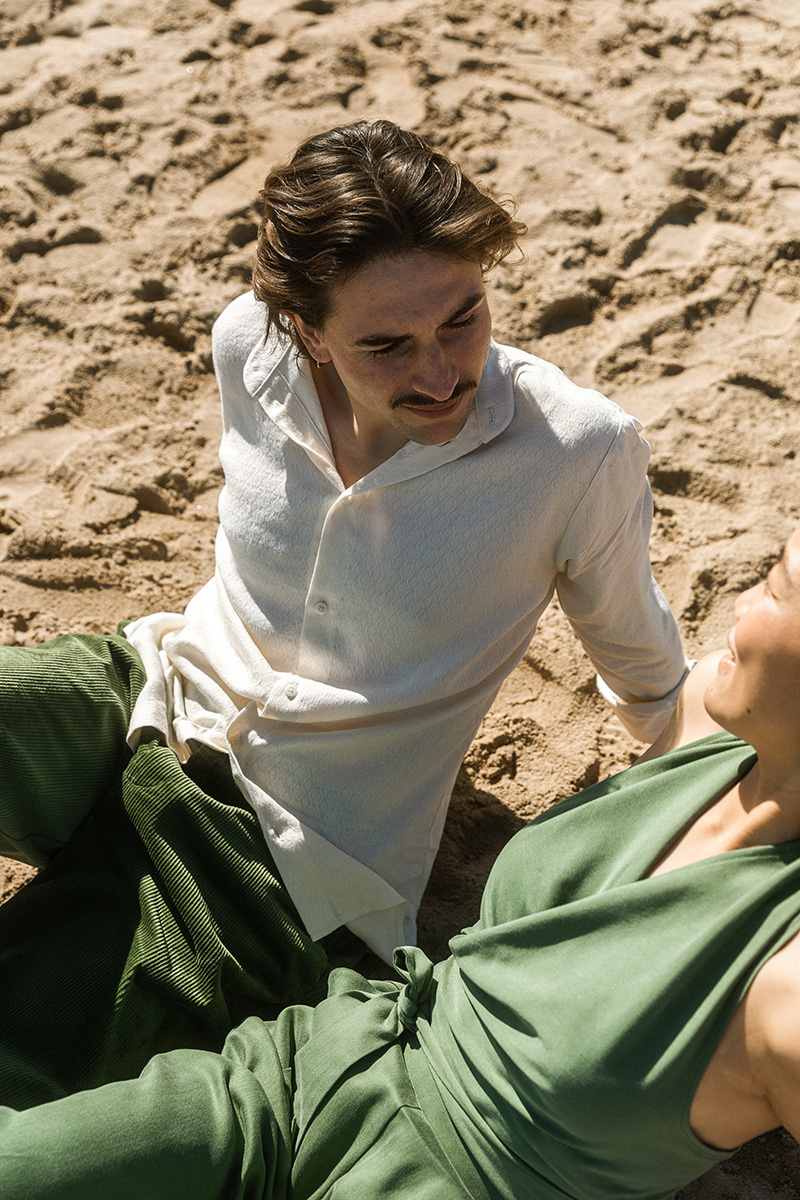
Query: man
[[402, 498]]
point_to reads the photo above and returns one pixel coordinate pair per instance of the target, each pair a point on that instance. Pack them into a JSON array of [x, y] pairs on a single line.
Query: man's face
[[407, 340]]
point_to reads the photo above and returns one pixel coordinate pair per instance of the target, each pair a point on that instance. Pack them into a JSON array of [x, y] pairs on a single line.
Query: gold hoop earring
[[319, 364]]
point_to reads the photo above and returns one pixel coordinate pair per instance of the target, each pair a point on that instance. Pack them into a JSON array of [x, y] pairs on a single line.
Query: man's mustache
[[420, 400]]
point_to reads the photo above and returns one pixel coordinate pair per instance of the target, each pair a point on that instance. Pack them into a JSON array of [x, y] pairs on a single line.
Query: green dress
[[555, 1054], [572, 1025]]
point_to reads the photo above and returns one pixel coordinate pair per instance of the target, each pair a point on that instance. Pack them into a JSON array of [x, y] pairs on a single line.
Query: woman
[[624, 1014]]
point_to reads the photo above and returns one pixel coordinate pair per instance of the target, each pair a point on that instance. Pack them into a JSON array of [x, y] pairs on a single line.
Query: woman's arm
[[689, 720], [771, 1036], [752, 1083]]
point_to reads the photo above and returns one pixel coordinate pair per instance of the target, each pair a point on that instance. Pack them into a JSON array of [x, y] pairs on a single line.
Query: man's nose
[[435, 375]]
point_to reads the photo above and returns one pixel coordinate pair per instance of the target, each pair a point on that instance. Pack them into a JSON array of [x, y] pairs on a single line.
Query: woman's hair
[[361, 192]]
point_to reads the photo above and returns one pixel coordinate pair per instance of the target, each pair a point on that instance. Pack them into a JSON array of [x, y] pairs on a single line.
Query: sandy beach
[[652, 148]]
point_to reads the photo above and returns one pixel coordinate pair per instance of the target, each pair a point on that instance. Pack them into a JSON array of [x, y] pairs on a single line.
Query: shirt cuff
[[644, 719]]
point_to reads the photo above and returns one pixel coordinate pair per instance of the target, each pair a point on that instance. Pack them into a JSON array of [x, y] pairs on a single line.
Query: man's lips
[[436, 408]]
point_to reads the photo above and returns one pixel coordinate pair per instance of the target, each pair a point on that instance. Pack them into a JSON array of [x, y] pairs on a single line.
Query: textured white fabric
[[352, 639]]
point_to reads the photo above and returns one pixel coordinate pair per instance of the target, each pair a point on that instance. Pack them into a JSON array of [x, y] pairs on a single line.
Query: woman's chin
[[712, 701]]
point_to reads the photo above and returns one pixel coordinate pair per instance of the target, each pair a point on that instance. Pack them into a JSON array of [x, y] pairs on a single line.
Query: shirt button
[[321, 606], [291, 690], [346, 499]]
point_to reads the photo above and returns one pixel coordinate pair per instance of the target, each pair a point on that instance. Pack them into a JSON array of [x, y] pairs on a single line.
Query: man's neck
[[358, 445]]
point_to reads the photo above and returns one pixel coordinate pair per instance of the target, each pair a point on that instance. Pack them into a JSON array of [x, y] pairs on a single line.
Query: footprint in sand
[[681, 233]]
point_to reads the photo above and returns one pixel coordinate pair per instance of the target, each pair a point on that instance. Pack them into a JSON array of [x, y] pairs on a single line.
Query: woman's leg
[[64, 711], [199, 1125]]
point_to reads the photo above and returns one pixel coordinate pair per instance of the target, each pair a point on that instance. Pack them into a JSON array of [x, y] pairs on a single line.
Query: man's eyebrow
[[471, 302], [383, 339]]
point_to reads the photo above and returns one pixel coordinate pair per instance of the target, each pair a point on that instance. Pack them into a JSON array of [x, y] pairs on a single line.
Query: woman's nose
[[744, 600]]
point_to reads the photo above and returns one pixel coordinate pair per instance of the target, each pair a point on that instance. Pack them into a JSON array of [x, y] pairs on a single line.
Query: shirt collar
[[282, 383]]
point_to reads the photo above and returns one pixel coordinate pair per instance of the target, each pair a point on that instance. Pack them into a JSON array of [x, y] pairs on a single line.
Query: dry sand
[[652, 147]]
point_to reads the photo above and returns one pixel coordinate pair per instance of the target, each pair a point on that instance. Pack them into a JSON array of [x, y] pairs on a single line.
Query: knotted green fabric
[[318, 1105]]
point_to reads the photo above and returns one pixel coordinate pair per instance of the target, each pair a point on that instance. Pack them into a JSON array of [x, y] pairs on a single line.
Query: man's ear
[[311, 339]]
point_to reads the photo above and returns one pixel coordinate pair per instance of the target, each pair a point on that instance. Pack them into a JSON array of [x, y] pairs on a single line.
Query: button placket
[[316, 635]]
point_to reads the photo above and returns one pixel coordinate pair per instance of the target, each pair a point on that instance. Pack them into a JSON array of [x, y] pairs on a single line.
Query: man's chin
[[427, 429], [436, 433]]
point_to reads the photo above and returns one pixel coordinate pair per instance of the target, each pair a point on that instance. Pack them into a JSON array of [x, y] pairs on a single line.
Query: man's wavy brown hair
[[358, 193]]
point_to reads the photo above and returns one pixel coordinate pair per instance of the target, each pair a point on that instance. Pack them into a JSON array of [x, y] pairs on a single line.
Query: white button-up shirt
[[352, 639]]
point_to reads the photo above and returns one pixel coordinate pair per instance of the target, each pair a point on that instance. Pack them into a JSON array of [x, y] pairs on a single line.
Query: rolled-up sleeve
[[606, 587]]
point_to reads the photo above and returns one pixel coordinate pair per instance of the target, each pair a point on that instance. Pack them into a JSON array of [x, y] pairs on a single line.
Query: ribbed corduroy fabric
[[158, 919]]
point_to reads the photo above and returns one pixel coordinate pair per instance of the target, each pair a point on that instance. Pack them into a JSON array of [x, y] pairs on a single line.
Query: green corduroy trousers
[[157, 919]]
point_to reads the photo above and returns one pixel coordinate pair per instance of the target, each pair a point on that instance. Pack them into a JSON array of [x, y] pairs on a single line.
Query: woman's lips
[[729, 657]]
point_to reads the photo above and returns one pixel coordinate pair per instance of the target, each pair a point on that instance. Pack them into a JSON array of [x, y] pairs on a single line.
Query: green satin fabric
[[572, 1025], [318, 1105]]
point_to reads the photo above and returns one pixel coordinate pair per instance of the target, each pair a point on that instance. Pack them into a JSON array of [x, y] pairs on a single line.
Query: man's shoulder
[[239, 326], [544, 394], [240, 347]]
